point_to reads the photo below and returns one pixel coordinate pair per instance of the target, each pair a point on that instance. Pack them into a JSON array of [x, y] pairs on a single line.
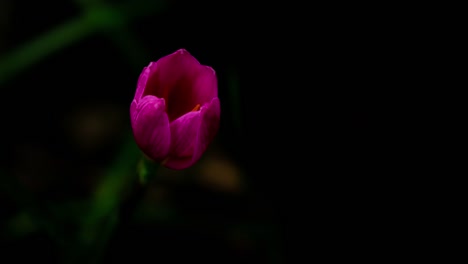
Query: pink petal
[[182, 81], [205, 85], [151, 128], [191, 135], [142, 80]]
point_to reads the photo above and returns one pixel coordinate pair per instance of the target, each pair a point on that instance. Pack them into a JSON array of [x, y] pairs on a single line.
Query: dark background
[[305, 159]]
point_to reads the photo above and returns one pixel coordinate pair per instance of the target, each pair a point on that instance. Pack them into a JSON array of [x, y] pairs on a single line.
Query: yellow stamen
[[196, 108]]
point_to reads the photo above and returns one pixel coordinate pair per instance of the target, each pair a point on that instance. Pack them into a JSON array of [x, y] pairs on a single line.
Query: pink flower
[[175, 112]]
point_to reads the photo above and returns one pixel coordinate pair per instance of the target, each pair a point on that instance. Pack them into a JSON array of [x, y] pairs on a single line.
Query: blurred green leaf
[[102, 212], [112, 188], [36, 50], [21, 224], [97, 17]]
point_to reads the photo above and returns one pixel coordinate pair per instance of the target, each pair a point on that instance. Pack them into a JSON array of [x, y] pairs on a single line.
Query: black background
[[319, 140]]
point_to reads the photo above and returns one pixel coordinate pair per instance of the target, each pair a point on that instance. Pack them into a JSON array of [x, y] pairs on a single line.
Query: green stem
[[110, 213], [99, 222], [146, 170]]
